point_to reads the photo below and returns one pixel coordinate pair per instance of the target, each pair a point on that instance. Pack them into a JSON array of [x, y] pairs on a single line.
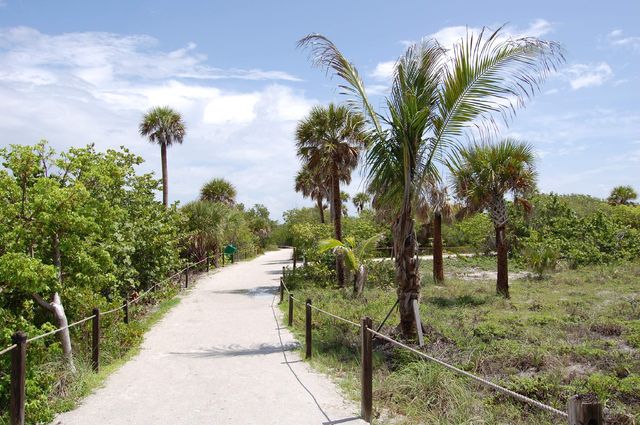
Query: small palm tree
[[163, 126], [219, 190], [312, 185], [355, 254], [329, 141], [360, 201], [483, 174], [622, 195], [433, 99]]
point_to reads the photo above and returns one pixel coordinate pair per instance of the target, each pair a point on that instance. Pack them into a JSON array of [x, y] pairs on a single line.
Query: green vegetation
[[574, 333], [81, 229]]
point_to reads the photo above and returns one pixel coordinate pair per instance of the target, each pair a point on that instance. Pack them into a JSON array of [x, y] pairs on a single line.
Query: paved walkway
[[219, 357]]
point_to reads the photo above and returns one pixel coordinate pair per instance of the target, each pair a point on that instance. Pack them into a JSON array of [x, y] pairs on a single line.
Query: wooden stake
[[308, 341], [186, 278], [95, 341], [585, 410], [290, 309], [208, 263], [366, 370], [281, 290], [18, 369], [416, 313], [126, 310]]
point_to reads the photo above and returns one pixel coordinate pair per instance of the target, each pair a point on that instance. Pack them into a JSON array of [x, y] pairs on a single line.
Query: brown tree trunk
[[407, 273], [56, 308], [502, 283], [337, 221], [165, 175], [320, 209], [438, 264]]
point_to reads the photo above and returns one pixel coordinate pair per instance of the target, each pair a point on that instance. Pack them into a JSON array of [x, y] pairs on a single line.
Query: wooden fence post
[[290, 309], [308, 342], [366, 369], [208, 263], [126, 310], [18, 369], [186, 277], [281, 289], [95, 341], [223, 259], [585, 410]]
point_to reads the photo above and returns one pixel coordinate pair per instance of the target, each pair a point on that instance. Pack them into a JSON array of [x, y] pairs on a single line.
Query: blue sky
[[75, 72]]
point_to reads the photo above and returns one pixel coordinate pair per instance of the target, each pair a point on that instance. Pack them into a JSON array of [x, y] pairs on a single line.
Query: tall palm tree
[[360, 200], [483, 174], [331, 138], [312, 185], [163, 126], [434, 97], [622, 195], [219, 190]]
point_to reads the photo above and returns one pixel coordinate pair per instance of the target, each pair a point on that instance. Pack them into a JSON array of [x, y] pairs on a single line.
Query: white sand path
[[218, 358]]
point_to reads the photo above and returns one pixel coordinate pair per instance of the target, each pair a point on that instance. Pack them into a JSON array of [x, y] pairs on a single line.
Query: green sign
[[230, 249]]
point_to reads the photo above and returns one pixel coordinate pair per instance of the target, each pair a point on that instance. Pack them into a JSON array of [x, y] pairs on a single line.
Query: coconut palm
[[360, 200], [163, 126], [622, 195], [329, 140], [434, 97], [483, 174], [218, 190], [312, 185]]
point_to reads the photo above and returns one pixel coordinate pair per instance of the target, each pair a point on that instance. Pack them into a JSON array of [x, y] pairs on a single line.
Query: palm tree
[[434, 208], [433, 99], [622, 195], [360, 200], [219, 190], [312, 185], [329, 140], [163, 126], [483, 174]]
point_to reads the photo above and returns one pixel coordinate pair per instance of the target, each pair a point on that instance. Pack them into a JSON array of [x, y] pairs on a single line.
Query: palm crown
[[163, 125]]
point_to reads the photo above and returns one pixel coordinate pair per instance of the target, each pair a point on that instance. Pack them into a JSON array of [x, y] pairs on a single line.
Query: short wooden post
[[95, 341], [18, 369], [186, 277], [308, 342], [223, 259], [208, 263], [585, 410], [126, 310], [416, 313], [295, 259], [366, 369], [290, 309], [281, 289]]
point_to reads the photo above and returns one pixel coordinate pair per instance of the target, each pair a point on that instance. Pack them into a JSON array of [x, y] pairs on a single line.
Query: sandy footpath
[[218, 358]]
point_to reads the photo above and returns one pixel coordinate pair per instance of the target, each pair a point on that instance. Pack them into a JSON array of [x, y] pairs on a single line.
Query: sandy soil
[[219, 357]]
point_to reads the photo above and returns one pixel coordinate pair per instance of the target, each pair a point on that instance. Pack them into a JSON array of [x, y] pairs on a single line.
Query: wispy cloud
[[77, 88], [618, 39], [582, 75]]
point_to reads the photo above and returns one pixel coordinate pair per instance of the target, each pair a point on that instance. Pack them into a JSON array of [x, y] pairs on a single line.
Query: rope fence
[[580, 410], [20, 341]]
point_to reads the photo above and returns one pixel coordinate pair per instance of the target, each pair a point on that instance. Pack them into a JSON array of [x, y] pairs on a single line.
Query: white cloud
[[588, 75], [78, 88], [449, 36], [383, 70], [618, 39]]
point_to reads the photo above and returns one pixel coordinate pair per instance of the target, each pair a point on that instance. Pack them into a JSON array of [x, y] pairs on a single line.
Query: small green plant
[[541, 257]]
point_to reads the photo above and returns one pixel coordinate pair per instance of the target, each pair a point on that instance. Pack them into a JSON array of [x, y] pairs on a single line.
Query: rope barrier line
[[334, 316], [9, 348], [55, 331], [475, 378]]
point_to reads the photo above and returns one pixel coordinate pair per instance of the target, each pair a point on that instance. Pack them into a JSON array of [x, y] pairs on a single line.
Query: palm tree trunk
[[320, 209], [438, 264], [407, 276], [502, 282], [165, 175], [337, 221]]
